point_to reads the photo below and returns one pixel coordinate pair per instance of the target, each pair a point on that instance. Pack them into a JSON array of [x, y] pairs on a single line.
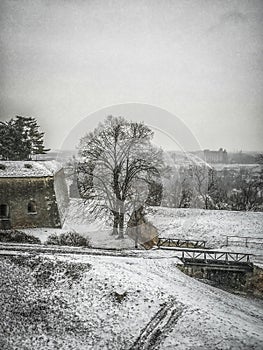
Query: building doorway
[[4, 211], [5, 223]]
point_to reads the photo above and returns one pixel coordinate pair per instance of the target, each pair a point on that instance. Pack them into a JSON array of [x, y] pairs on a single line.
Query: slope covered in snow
[[139, 301], [210, 225], [120, 303]]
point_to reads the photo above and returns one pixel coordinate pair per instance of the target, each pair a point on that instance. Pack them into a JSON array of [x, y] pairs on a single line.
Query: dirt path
[[15, 248]]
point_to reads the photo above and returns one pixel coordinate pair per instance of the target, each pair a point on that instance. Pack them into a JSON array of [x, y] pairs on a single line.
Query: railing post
[[246, 241], [227, 241]]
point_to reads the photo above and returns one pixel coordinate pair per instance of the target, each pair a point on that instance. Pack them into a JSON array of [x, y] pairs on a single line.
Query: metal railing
[[212, 256], [176, 242], [244, 241]]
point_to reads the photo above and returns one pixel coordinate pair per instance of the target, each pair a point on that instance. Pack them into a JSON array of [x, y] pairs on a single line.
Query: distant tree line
[[20, 139], [202, 186]]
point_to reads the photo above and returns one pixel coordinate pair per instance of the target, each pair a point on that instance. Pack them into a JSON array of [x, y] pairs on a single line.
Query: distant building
[[242, 158], [219, 156], [32, 194]]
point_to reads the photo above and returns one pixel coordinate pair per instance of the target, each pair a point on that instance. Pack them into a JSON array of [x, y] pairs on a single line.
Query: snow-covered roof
[[29, 168]]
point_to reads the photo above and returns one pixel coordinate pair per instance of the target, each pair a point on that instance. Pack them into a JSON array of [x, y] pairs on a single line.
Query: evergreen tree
[[20, 139]]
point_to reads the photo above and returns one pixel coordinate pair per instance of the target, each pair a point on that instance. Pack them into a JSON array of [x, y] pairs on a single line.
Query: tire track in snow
[[159, 326]]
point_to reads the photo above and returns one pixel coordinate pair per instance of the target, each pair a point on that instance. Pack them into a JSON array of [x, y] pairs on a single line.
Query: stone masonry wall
[[18, 192], [62, 196]]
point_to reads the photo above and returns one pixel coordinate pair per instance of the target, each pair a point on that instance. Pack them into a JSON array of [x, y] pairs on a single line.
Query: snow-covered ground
[[213, 226], [138, 301], [79, 219], [123, 303], [199, 224], [210, 225]]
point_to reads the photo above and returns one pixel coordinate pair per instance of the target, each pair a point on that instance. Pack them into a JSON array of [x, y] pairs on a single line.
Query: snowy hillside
[[210, 225], [136, 300], [120, 303]]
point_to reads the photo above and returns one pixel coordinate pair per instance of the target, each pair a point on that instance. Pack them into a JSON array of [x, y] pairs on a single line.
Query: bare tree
[[248, 191], [259, 158], [116, 158], [199, 174]]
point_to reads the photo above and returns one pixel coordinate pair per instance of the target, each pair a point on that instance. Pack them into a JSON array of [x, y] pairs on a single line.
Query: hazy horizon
[[65, 60]]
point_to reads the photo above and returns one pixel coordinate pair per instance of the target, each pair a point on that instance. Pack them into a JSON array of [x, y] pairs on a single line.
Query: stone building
[[219, 156], [32, 194]]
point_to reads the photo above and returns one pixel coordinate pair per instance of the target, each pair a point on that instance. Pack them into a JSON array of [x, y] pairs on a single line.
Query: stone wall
[[18, 192], [62, 197], [249, 282]]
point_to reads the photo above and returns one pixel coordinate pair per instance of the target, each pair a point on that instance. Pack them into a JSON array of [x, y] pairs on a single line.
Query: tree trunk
[[206, 202], [121, 225], [136, 238], [115, 223], [121, 221]]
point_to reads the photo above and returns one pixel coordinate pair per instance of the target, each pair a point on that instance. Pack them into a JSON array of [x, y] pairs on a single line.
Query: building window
[[28, 166], [32, 207], [4, 211]]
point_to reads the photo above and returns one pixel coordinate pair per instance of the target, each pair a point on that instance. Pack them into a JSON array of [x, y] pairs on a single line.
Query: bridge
[[217, 259], [226, 269], [214, 259], [176, 242]]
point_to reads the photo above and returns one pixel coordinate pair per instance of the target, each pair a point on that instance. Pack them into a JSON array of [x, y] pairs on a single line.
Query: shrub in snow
[[119, 297], [14, 236], [53, 239], [28, 166], [68, 238]]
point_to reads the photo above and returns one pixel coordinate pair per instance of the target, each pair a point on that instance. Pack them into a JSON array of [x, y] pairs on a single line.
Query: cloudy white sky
[[201, 60]]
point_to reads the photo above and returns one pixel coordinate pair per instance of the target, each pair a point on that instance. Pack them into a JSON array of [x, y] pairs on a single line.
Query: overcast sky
[[201, 60]]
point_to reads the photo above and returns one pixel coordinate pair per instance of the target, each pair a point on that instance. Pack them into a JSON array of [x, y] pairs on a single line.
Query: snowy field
[[213, 226], [210, 225], [138, 301], [120, 303]]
